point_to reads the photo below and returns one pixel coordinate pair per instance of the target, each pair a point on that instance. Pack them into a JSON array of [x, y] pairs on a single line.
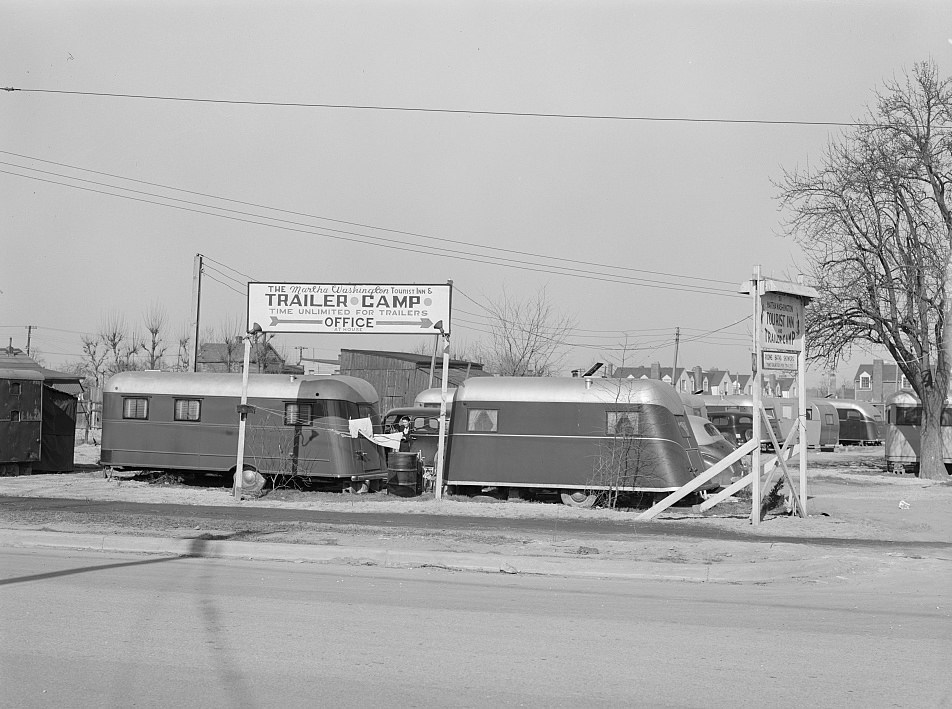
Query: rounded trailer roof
[[270, 386], [568, 390]]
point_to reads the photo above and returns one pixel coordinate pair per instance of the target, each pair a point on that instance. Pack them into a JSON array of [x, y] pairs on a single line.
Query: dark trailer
[[575, 436], [37, 417], [189, 422]]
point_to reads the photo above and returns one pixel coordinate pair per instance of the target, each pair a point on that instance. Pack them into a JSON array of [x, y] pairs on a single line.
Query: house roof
[[890, 372], [417, 359], [218, 352], [61, 381], [644, 372]]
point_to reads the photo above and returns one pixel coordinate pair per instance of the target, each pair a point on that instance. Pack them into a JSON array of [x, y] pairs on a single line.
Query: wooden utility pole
[[674, 369], [196, 307]]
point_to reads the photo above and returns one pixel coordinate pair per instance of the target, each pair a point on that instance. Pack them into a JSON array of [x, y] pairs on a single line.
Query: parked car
[[714, 448], [424, 431], [737, 426]]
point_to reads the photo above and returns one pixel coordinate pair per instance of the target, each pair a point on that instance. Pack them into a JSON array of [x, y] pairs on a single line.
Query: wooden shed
[[399, 376], [37, 417]]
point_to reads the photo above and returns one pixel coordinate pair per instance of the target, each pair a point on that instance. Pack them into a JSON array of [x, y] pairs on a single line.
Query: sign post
[[242, 419], [779, 346], [349, 308]]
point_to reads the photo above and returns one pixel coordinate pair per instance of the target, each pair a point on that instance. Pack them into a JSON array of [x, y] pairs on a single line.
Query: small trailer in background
[[21, 420]]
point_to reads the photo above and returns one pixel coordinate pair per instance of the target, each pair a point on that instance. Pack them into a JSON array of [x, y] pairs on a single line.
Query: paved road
[[90, 629], [581, 528]]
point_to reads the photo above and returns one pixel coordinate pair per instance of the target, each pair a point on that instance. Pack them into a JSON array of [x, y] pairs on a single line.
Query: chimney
[[656, 370], [878, 381], [698, 379]]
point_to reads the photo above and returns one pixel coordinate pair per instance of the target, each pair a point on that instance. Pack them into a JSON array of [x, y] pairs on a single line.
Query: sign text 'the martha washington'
[[352, 308]]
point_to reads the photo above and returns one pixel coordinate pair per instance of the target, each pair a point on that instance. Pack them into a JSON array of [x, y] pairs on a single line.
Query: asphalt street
[[93, 629]]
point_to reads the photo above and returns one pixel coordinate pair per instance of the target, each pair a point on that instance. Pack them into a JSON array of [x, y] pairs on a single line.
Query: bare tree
[[528, 337], [875, 224], [121, 344], [155, 347], [232, 346], [184, 351], [93, 363]]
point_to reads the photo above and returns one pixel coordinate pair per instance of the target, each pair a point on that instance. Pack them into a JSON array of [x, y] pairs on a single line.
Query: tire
[[583, 499], [251, 480]]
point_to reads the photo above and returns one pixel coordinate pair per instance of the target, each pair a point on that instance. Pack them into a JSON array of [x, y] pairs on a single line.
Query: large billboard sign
[[349, 308]]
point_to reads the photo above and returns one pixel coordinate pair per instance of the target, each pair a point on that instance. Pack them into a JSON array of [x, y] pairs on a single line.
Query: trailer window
[[830, 419], [188, 410], [483, 420], [15, 388], [135, 408], [14, 416], [297, 414], [909, 416], [622, 423], [369, 411], [684, 426]]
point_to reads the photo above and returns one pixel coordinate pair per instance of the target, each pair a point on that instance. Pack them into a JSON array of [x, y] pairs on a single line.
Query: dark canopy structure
[[51, 451]]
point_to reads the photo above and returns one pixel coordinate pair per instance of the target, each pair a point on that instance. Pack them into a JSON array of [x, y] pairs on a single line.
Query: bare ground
[[851, 497]]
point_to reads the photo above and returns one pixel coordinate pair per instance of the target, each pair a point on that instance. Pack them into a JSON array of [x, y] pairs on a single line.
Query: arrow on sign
[[275, 321], [422, 322]]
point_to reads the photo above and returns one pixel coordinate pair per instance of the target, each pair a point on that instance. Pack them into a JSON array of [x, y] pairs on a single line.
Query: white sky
[[679, 201]]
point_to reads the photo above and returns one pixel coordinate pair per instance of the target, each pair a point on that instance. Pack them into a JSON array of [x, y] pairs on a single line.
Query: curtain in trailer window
[[623, 423], [297, 414], [188, 410], [483, 420], [135, 408]]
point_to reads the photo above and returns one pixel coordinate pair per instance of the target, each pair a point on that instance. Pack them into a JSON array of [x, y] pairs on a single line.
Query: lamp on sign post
[[441, 446]]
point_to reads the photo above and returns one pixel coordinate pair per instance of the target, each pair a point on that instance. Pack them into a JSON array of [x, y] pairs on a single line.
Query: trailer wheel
[[251, 480], [579, 498]]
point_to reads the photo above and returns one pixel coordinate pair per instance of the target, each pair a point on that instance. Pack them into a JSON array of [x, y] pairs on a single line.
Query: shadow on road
[[196, 550]]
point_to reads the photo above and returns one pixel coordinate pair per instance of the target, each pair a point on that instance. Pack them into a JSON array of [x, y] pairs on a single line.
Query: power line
[[448, 253], [453, 111], [323, 218]]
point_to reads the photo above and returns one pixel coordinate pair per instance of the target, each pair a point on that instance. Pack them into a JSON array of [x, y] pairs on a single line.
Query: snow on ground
[[850, 496]]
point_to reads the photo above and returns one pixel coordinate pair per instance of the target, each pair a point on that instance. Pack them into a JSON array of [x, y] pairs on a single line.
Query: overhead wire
[[452, 111], [345, 235]]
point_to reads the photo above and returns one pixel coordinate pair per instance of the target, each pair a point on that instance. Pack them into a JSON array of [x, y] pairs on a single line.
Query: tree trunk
[[931, 465]]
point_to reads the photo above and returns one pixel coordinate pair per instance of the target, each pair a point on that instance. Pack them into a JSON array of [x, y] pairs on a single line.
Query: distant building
[[695, 380], [228, 357], [876, 381], [399, 376], [320, 366]]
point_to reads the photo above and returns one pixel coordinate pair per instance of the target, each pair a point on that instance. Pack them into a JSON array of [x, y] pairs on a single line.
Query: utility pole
[[300, 353], [674, 369], [29, 331], [196, 307]]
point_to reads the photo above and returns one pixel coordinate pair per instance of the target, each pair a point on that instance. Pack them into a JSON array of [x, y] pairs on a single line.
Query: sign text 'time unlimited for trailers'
[[352, 308]]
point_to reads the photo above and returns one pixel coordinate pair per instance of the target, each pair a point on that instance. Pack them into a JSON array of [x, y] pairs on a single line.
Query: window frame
[[144, 400], [473, 414], [175, 409]]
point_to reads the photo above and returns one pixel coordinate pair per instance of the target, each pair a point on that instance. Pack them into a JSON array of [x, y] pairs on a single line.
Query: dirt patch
[[851, 497]]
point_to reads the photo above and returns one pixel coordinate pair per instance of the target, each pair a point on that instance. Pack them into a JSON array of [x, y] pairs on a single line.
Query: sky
[[622, 156]]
